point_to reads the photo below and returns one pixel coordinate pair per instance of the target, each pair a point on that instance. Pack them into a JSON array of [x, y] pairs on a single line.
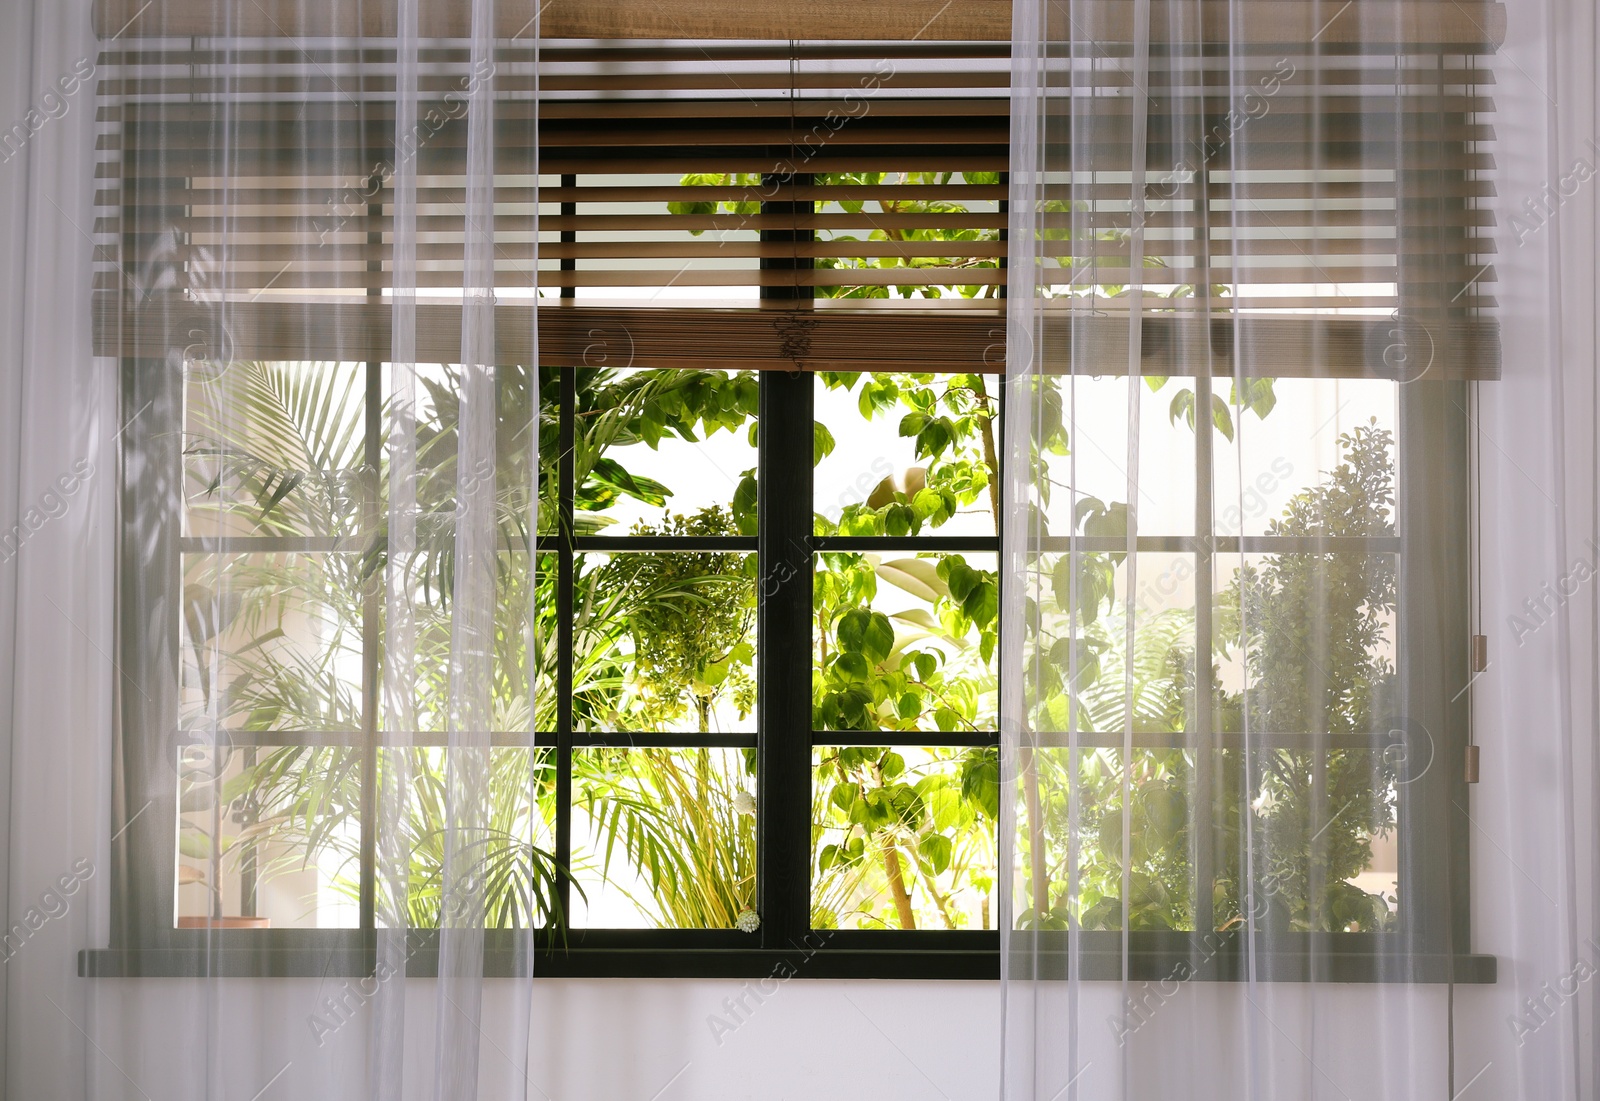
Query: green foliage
[[924, 832], [950, 420], [1317, 627], [676, 818], [1314, 628], [1257, 396], [690, 617]]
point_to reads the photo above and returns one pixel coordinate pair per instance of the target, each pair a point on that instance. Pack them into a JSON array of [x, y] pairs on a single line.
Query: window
[[764, 706]]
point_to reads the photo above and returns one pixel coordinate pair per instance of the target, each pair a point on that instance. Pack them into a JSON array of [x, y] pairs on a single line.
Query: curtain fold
[[324, 689], [1245, 858]]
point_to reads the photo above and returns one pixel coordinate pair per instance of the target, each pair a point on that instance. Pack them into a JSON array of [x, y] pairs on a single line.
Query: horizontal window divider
[[353, 739], [1221, 544], [274, 544], [932, 739], [430, 739], [827, 544], [1151, 956], [642, 543], [334, 544], [1233, 739], [662, 741]]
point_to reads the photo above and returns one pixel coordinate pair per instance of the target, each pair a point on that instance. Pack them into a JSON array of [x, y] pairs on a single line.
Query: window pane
[[1325, 847], [272, 641], [906, 455], [905, 643], [269, 837], [663, 838], [1161, 863], [1084, 667], [439, 477], [665, 641], [275, 449], [654, 444], [1086, 464], [512, 844], [429, 577], [1299, 450], [1313, 638], [904, 838]]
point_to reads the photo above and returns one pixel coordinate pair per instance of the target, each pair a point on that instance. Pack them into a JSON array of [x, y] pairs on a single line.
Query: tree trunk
[[897, 886]]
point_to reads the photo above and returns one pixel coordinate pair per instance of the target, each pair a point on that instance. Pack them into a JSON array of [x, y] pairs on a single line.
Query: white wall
[[607, 1040]]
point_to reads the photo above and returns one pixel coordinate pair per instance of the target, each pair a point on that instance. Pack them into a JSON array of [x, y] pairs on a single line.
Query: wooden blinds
[[824, 204]]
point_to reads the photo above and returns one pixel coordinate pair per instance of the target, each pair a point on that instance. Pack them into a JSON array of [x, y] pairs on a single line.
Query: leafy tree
[[1311, 626], [690, 619], [1315, 626]]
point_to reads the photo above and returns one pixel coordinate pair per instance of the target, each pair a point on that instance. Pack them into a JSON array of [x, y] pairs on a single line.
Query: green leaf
[[1085, 507], [1164, 812], [844, 795], [1221, 417], [898, 520], [285, 487], [980, 781], [961, 577], [744, 504], [852, 667], [194, 844], [1182, 406], [878, 640], [982, 603], [936, 850], [821, 442], [852, 628]]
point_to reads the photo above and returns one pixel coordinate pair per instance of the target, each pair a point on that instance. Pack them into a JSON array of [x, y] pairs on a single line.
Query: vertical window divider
[[371, 597], [784, 484], [565, 580], [1205, 741]]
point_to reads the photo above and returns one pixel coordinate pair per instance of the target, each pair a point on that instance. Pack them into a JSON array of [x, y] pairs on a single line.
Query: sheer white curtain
[[56, 488], [1266, 486], [302, 582]]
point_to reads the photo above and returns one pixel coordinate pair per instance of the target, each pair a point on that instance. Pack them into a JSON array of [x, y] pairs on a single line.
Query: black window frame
[[1433, 513]]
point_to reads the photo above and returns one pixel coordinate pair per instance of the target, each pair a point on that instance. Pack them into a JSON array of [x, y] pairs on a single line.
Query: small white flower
[[1264, 802], [748, 921], [744, 803]]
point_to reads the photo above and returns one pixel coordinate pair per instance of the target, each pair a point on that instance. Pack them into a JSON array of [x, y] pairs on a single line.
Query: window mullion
[[784, 477], [1205, 743], [373, 596], [565, 580]]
